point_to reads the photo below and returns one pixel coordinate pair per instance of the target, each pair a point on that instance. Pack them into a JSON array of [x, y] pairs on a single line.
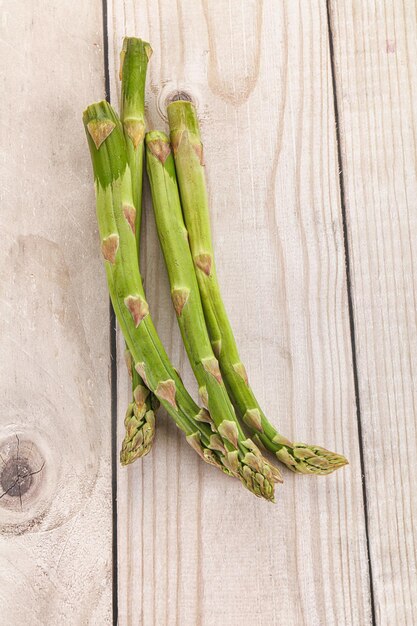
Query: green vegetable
[[134, 57], [239, 454], [188, 153], [114, 202]]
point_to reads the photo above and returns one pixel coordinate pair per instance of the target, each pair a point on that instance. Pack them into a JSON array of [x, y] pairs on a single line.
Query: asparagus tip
[[305, 459], [140, 393], [140, 433]]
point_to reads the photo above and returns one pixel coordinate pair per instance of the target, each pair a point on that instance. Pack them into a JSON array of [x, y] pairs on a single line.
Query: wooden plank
[[194, 548], [375, 47], [55, 524]]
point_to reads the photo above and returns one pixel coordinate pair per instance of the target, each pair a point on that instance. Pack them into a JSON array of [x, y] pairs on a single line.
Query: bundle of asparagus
[[182, 217]]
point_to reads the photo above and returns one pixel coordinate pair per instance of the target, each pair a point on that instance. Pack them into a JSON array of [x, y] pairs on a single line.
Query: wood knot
[[179, 94], [20, 473], [16, 478], [171, 92]]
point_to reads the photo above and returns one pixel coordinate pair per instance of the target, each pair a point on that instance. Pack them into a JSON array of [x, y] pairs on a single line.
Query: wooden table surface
[[308, 114]]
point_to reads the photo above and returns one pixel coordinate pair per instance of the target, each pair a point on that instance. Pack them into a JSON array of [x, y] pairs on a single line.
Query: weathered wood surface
[[193, 547], [55, 506], [375, 46]]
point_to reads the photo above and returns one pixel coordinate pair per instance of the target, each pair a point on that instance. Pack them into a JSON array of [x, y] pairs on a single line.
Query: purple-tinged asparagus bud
[[217, 347], [211, 365], [231, 461], [260, 480], [129, 212], [176, 139], [282, 441], [216, 443], [204, 262], [129, 363], [179, 299], [140, 393], [141, 370], [166, 390], [160, 149], [99, 130], [211, 458], [109, 247], [203, 395], [204, 416], [135, 130], [207, 455], [252, 418], [198, 149], [240, 369], [285, 457], [195, 443], [148, 50], [228, 430], [138, 308], [253, 461]]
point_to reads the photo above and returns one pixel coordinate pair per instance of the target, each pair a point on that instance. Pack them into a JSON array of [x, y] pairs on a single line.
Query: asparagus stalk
[[134, 57], [240, 455], [114, 203], [188, 154]]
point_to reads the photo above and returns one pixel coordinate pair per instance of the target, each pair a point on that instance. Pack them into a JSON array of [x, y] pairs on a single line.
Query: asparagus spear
[[188, 153], [240, 455], [139, 419], [114, 202], [134, 57]]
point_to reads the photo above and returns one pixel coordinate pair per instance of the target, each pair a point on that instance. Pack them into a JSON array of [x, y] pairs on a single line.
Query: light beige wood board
[[375, 47], [194, 547], [55, 545]]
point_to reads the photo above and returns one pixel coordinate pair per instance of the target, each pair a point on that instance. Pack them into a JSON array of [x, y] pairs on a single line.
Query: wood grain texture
[[375, 47], [194, 548], [55, 505]]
